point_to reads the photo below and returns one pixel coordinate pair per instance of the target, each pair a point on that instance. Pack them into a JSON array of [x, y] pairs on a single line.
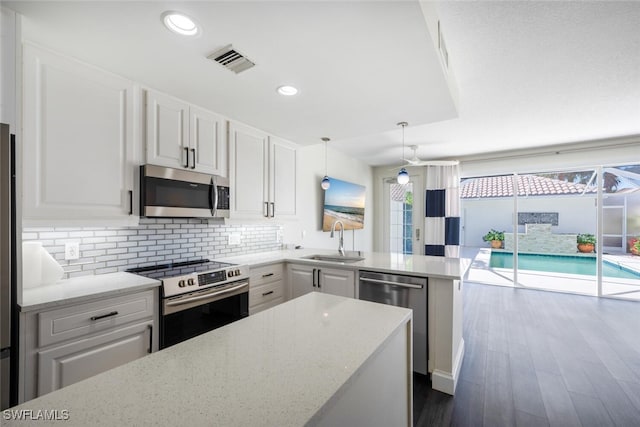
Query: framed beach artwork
[[343, 201]]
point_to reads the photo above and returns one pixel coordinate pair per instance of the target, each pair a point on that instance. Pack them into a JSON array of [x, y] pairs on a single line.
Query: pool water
[[560, 264]]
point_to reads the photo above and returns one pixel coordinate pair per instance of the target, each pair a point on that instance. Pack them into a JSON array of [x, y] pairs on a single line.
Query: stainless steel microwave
[[168, 192]]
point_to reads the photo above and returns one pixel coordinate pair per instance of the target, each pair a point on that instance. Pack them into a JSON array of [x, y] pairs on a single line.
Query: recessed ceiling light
[[180, 23], [287, 90]]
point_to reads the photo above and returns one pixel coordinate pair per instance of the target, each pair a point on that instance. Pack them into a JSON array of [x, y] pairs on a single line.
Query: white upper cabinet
[[79, 152], [248, 165], [208, 139], [282, 178], [167, 130], [180, 135], [262, 172]]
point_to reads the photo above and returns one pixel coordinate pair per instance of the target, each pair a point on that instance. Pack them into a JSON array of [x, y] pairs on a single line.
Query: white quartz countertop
[[80, 289], [414, 265], [280, 367]]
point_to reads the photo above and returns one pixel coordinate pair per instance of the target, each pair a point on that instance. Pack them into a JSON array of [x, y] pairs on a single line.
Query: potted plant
[[495, 237], [634, 245], [586, 242]]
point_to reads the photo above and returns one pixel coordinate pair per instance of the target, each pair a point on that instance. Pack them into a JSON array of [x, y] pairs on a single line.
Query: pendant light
[[326, 183], [403, 175]]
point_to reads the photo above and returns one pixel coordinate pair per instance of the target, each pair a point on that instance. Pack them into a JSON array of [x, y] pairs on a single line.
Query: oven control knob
[[190, 282], [181, 284], [231, 273], [237, 273]]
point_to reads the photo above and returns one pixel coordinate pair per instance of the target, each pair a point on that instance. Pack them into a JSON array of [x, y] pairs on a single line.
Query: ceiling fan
[[403, 175], [416, 161]]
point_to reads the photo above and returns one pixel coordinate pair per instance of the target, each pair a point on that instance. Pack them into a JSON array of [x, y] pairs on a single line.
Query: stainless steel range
[[198, 296]]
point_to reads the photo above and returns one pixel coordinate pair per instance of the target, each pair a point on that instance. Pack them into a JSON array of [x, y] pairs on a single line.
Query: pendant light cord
[[325, 139], [403, 124]]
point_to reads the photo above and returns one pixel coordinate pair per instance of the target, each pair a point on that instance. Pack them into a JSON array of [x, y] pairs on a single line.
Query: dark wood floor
[[537, 358]]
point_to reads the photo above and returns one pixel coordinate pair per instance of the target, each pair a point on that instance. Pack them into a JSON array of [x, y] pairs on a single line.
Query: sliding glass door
[[574, 231], [487, 207], [621, 232], [556, 211]]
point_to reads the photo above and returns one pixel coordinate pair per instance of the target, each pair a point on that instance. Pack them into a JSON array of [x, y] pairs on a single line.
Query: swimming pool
[[560, 264]]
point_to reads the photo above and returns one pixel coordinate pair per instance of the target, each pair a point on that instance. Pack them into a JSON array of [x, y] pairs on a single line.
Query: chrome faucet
[[333, 229]]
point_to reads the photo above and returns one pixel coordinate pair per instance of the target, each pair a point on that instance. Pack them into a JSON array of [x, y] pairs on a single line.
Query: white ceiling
[[528, 73]]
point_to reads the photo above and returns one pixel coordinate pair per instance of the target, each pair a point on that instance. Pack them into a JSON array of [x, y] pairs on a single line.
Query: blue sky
[[342, 193]]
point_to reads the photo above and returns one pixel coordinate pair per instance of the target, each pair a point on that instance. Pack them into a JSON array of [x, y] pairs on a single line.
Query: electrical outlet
[[234, 239], [279, 236], [71, 250]]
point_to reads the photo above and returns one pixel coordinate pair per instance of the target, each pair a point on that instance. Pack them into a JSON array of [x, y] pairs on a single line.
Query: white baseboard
[[446, 382]]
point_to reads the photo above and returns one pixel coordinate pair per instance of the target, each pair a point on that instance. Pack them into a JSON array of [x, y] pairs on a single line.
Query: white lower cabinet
[[74, 342], [307, 278], [266, 287], [80, 359]]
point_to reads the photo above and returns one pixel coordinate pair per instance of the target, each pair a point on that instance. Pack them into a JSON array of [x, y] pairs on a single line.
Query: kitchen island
[[315, 360]]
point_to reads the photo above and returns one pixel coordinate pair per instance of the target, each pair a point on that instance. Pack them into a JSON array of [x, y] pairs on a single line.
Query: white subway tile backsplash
[[93, 240], [106, 270], [109, 249], [53, 235]]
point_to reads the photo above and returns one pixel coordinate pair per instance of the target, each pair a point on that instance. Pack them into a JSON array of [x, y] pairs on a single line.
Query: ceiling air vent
[[231, 59]]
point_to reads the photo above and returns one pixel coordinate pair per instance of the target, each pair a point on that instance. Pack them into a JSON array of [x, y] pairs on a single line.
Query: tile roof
[[528, 185]]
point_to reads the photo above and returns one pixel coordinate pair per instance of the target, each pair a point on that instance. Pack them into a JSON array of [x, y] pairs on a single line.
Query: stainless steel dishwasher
[[402, 291]]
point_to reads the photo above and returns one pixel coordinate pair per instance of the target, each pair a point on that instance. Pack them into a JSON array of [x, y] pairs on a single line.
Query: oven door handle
[[386, 282], [205, 296]]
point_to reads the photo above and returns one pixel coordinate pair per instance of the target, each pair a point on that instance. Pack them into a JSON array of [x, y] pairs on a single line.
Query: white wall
[[575, 215], [311, 169]]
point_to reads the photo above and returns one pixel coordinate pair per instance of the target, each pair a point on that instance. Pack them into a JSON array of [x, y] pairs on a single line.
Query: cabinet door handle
[[193, 152], [313, 280], [266, 209], [186, 156], [273, 209], [113, 313], [264, 294], [267, 275], [319, 279], [130, 202], [150, 328]]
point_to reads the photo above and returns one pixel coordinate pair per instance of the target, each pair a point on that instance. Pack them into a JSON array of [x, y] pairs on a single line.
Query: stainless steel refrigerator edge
[[8, 335]]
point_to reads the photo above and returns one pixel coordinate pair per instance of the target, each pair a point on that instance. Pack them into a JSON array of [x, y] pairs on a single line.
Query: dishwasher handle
[[386, 282]]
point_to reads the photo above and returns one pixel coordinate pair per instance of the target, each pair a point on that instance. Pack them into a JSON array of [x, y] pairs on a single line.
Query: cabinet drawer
[[266, 274], [261, 294], [82, 319], [69, 363]]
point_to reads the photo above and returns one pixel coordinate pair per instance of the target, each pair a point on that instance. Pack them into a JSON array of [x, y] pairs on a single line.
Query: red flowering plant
[[634, 245]]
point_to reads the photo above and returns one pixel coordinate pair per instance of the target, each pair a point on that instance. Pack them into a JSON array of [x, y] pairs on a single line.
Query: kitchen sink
[[335, 258]]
